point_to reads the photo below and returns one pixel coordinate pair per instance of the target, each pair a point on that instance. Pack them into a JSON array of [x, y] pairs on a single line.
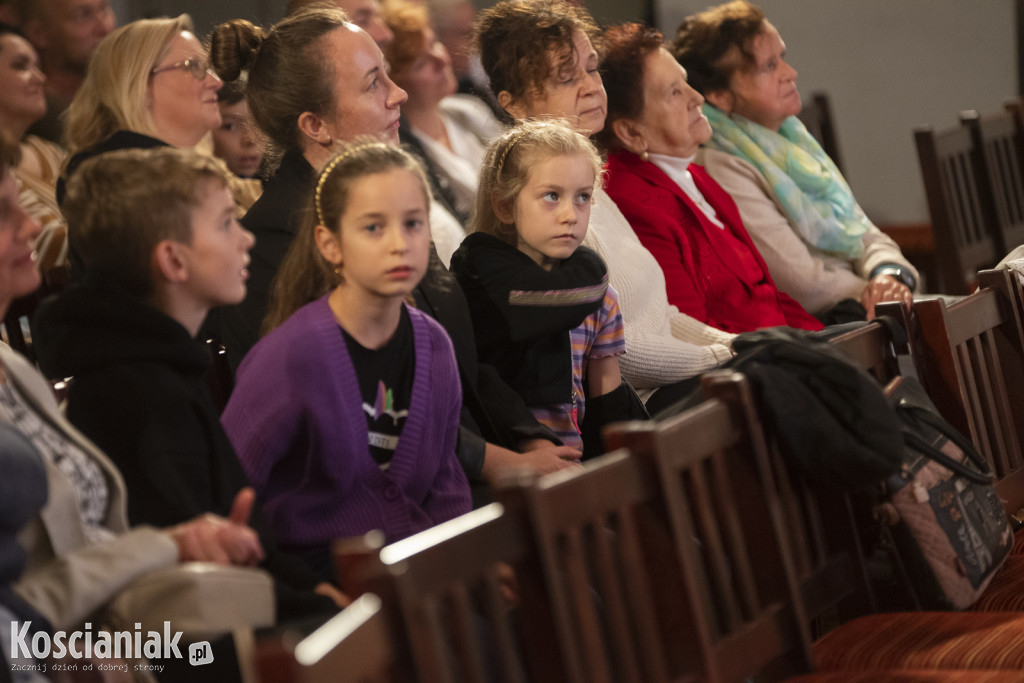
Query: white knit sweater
[[662, 344]]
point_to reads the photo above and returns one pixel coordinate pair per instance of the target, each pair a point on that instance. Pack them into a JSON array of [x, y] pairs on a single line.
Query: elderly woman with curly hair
[[654, 127], [820, 247]]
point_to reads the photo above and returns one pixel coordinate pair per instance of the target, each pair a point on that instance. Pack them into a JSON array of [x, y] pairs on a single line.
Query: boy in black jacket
[[160, 245]]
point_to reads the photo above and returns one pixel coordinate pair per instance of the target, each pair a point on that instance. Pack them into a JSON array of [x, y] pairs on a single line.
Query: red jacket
[[714, 275]]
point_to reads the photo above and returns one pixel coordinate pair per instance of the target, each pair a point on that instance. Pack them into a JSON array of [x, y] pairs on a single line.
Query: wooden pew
[[962, 214], [742, 599], [997, 138], [444, 592], [355, 646]]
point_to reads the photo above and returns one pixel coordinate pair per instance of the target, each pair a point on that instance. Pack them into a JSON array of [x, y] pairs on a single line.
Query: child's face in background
[[237, 141], [218, 255], [552, 211], [384, 241]]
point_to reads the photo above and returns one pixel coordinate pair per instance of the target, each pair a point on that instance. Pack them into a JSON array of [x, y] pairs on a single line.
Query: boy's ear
[[327, 243], [314, 128], [723, 99], [169, 263], [514, 107], [502, 210]]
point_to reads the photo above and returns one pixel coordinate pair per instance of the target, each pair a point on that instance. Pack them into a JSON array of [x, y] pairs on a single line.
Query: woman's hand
[[539, 456], [883, 288], [211, 538]]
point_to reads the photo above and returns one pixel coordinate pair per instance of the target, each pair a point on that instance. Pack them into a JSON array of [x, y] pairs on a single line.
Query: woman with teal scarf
[[819, 246]]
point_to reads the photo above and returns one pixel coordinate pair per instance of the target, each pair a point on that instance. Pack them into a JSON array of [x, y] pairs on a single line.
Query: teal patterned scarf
[[810, 187]]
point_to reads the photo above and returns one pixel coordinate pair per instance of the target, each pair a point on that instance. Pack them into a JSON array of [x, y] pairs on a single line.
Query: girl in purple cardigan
[[345, 414]]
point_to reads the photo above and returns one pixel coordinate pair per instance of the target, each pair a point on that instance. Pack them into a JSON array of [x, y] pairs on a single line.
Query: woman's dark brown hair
[[704, 41], [288, 72], [625, 50], [515, 37]]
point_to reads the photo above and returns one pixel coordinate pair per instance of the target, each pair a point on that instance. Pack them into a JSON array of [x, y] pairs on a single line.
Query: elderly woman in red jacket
[[654, 128]]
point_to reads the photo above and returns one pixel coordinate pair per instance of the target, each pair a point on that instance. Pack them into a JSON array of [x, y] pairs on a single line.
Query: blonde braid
[[511, 143]]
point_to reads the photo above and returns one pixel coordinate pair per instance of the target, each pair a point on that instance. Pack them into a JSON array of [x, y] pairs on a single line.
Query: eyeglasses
[[197, 68]]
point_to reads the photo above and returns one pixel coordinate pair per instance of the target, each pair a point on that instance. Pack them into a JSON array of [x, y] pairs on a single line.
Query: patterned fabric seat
[[910, 676], [1018, 543], [1006, 592], [925, 640]]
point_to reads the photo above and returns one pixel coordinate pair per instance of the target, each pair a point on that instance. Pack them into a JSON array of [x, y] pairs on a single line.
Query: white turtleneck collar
[[677, 168]]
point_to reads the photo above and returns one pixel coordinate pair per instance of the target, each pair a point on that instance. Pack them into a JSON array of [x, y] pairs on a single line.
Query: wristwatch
[[897, 271]]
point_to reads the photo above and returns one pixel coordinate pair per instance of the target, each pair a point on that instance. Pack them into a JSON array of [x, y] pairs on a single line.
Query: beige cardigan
[[814, 278], [66, 578]]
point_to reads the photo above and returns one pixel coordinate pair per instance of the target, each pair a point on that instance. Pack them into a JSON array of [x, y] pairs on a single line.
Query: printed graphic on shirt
[[385, 382], [383, 411], [384, 405]]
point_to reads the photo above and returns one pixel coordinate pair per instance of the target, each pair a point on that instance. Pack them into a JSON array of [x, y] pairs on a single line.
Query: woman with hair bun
[[314, 79]]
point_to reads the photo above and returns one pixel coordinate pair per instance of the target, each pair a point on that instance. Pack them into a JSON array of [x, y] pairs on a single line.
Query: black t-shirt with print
[[385, 382]]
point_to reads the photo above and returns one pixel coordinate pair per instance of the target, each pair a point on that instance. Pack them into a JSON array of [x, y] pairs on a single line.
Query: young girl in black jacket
[[543, 311]]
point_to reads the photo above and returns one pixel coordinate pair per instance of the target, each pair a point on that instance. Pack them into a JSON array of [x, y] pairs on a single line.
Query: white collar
[[677, 168]]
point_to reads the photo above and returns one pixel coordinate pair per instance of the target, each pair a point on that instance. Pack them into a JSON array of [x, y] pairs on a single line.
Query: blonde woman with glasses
[[148, 85]]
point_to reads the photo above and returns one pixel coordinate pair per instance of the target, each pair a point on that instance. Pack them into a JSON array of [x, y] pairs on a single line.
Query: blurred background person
[[22, 104], [237, 140], [453, 23], [64, 33], [9, 13], [366, 14], [240, 144], [450, 130]]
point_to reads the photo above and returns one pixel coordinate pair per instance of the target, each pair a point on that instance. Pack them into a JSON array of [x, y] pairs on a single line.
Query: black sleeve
[[157, 441], [509, 415]]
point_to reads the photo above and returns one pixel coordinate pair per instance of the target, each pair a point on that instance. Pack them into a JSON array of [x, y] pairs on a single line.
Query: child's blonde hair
[[508, 163], [305, 275], [121, 204]]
